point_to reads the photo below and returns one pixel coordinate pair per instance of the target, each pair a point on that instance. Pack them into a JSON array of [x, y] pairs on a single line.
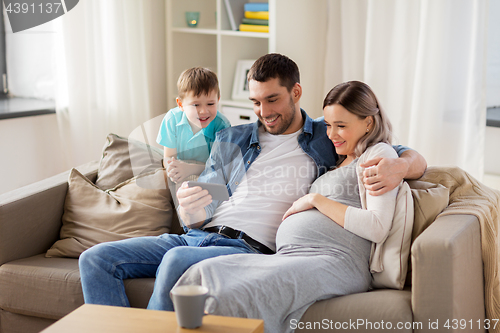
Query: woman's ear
[[369, 122]]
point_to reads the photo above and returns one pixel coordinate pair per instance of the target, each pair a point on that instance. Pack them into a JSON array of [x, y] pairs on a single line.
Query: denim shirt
[[236, 148]]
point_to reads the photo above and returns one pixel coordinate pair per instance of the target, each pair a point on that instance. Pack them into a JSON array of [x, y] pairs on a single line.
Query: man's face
[[275, 106]]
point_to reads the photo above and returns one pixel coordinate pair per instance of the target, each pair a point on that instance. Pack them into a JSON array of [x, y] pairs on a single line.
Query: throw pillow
[[93, 216], [429, 201], [123, 159], [396, 248]]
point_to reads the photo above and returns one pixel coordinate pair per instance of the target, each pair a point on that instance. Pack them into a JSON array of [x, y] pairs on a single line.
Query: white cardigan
[[374, 220]]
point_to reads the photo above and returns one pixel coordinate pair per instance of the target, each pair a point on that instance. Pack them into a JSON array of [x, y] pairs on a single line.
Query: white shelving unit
[[297, 28]]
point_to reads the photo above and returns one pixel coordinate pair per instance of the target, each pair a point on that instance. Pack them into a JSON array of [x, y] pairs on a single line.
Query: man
[[266, 166]]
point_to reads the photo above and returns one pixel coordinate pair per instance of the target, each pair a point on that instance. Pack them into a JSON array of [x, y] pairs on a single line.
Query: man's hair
[[357, 98], [198, 80], [274, 65]]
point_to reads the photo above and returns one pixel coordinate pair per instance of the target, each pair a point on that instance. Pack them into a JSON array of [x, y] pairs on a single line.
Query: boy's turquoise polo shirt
[[175, 132]]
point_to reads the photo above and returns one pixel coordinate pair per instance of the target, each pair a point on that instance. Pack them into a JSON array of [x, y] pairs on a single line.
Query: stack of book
[[256, 17]]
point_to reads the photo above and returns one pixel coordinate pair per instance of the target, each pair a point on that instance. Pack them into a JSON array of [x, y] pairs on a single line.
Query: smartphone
[[217, 191]]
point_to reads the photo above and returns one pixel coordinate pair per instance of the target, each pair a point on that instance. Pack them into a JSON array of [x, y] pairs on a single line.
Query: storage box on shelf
[[238, 115]]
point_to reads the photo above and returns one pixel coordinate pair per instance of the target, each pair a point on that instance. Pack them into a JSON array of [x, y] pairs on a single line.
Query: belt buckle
[[229, 232]]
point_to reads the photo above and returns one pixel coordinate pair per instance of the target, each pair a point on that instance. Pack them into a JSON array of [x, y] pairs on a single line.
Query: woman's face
[[344, 128]]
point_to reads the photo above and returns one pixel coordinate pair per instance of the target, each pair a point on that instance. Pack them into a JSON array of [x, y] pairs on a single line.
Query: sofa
[[444, 283]]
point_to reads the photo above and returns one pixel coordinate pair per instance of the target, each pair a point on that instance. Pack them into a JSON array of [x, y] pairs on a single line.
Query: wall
[[30, 150], [311, 61]]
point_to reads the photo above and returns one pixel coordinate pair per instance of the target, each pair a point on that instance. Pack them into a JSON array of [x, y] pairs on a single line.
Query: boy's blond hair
[[198, 80]]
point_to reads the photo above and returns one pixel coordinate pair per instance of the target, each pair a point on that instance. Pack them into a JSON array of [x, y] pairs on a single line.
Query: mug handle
[[216, 304]]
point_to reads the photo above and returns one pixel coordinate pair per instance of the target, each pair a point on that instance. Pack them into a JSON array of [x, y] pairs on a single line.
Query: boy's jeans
[[104, 266]]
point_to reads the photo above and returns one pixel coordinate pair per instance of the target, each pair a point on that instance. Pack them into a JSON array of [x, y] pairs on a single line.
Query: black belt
[[235, 234]]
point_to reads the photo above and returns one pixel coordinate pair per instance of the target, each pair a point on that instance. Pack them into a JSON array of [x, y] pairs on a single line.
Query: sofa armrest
[[30, 217], [447, 276]]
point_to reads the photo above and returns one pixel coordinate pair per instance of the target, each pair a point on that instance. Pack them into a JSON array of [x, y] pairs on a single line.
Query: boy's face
[[200, 110]]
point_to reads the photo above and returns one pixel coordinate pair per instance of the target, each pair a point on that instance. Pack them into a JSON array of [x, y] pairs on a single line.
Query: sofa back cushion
[[123, 159], [429, 200], [132, 208]]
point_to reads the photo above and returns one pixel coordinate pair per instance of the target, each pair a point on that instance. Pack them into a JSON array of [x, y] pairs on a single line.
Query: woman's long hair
[[357, 98]]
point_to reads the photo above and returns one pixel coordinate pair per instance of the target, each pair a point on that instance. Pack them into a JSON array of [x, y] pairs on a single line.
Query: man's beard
[[284, 122]]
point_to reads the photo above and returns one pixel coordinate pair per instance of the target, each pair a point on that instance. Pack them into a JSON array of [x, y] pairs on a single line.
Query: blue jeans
[[104, 267]]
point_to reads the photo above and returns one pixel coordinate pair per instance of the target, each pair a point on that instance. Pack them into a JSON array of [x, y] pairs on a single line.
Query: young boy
[[188, 131]]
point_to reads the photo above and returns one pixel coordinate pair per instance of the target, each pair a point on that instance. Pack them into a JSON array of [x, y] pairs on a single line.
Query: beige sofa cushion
[[429, 200], [123, 159], [93, 216], [56, 291], [390, 306]]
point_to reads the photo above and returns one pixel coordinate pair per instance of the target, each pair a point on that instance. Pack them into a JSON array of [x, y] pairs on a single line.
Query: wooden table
[[108, 319]]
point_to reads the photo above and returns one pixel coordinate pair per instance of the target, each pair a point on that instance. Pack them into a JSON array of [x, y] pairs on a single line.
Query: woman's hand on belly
[[331, 208], [300, 205]]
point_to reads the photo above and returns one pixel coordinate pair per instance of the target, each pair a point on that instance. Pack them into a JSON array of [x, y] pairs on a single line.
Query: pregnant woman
[[325, 239]]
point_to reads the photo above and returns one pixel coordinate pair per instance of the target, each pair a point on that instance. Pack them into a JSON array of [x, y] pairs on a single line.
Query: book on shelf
[[254, 21], [257, 7], [235, 10], [254, 28], [257, 15]]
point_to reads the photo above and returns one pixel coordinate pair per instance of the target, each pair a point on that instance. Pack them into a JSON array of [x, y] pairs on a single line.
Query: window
[[27, 58], [3, 63]]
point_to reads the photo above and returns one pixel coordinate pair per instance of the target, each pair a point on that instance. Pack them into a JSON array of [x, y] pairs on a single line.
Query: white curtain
[[112, 70], [426, 61]]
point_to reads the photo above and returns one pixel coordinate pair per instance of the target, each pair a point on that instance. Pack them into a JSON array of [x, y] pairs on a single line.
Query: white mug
[[189, 304]]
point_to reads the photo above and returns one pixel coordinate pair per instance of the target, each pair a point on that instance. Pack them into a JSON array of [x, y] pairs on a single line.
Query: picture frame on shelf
[[240, 83]]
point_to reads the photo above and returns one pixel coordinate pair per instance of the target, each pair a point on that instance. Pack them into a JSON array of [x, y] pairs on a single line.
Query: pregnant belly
[[311, 228]]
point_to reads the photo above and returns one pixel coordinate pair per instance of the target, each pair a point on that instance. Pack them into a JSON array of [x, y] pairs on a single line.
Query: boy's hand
[[177, 170]]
